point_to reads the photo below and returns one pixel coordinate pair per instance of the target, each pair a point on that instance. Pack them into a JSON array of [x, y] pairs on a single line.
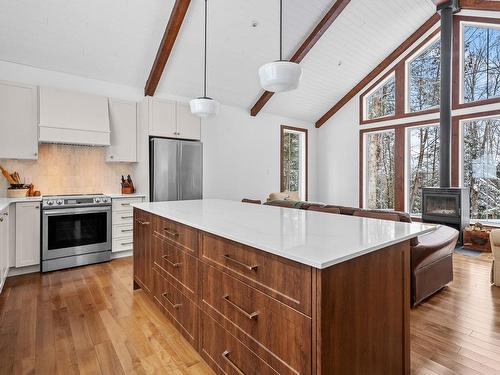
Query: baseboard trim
[[14, 271], [122, 254]]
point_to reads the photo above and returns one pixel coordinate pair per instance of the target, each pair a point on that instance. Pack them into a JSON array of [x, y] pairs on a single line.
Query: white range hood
[[73, 118]]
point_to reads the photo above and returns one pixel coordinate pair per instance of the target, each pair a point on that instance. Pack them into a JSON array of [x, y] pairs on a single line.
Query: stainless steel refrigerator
[[176, 169]]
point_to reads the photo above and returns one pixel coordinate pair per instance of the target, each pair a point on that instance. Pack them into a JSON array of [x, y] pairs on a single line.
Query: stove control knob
[[50, 203], [97, 200], [59, 202]]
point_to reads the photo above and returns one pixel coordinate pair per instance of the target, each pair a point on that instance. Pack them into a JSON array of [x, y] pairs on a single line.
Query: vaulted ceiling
[[117, 40]]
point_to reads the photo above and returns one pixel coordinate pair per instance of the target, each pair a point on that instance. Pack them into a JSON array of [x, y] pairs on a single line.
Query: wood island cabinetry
[[247, 311]]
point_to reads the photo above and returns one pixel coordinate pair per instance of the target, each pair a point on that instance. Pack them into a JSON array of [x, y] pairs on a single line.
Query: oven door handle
[[80, 210]]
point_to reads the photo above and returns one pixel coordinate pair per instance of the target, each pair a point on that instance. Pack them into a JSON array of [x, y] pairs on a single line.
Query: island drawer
[[284, 331], [184, 236], [287, 281], [178, 308], [226, 355], [181, 268]]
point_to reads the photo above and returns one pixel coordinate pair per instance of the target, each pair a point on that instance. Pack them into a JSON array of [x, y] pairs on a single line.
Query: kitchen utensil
[[8, 177]]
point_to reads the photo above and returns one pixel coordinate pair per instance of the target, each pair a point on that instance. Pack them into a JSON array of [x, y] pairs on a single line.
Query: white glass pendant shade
[[204, 107], [279, 76]]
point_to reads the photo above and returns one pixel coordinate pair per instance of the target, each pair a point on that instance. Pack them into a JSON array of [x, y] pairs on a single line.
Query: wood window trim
[[401, 95], [379, 69], [399, 159], [457, 73], [456, 140], [283, 128], [400, 152]]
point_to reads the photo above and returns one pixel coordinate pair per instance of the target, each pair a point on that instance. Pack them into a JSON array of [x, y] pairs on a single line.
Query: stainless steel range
[[76, 230]]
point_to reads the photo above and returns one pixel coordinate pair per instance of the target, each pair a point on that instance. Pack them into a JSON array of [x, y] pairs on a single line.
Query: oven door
[[75, 231]]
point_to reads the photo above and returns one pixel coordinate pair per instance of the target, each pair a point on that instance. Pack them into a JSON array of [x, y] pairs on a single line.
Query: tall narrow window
[[481, 167], [380, 170], [294, 160], [481, 63], [423, 143], [424, 79], [381, 102]]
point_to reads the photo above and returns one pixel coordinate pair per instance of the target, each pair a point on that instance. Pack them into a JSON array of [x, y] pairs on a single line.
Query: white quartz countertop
[[313, 238], [5, 202]]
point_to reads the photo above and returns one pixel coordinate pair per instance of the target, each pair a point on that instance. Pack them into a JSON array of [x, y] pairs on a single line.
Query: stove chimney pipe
[[446, 10]]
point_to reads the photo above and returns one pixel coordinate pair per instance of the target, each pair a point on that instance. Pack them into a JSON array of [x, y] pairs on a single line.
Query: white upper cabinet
[[172, 120], [73, 117], [162, 122], [188, 125], [18, 121], [123, 124]]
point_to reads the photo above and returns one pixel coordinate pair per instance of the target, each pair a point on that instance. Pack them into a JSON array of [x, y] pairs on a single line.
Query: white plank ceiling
[[116, 41]]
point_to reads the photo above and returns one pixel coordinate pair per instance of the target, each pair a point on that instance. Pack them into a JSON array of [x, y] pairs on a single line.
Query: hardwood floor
[[88, 320]]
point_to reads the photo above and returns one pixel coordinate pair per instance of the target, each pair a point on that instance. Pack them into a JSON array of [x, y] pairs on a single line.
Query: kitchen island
[[268, 290]]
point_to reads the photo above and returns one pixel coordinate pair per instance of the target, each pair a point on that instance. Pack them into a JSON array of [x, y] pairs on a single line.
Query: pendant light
[[204, 106], [281, 75]]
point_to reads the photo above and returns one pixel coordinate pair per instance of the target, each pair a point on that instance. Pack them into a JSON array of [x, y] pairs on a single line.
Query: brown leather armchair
[[431, 255], [432, 262]]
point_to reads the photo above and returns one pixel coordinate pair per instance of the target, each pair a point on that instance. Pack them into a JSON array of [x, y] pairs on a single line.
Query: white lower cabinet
[[27, 234], [123, 231], [4, 246]]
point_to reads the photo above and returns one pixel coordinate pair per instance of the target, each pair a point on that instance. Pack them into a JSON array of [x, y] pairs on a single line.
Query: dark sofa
[[431, 254]]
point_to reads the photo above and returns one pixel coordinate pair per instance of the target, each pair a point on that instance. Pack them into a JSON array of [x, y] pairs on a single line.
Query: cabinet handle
[[111, 157], [174, 305], [127, 217], [1, 219], [171, 232], [175, 265], [126, 230], [125, 204], [225, 356], [251, 316], [141, 222], [246, 266], [127, 243]]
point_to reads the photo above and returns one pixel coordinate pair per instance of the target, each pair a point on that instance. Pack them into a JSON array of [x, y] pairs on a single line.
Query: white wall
[[242, 155], [33, 76], [338, 156]]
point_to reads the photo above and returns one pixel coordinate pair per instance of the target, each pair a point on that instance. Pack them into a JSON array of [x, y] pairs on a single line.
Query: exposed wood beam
[[167, 44], [480, 4], [379, 69], [306, 46]]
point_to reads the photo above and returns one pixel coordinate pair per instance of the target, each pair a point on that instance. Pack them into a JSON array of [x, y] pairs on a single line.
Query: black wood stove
[[448, 206]]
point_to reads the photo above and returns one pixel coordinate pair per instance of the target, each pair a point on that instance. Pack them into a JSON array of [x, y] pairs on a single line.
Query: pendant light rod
[[204, 106], [205, 62], [281, 30]]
